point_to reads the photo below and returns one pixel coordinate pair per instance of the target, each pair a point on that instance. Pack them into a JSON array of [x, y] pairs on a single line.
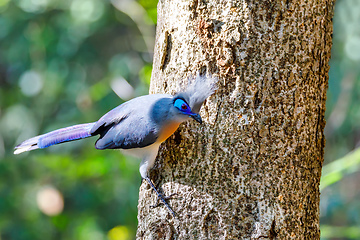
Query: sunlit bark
[[252, 170]]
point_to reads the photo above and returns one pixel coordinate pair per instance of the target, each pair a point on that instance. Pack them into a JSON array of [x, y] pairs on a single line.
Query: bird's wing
[[128, 125], [110, 119], [128, 134]]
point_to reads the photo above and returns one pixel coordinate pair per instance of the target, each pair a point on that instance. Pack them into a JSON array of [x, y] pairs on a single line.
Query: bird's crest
[[199, 88]]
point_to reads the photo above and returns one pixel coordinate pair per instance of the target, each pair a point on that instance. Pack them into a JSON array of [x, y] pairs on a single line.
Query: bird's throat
[[168, 131]]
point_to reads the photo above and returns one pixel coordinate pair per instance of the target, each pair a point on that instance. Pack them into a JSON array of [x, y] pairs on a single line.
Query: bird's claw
[[160, 197], [160, 202]]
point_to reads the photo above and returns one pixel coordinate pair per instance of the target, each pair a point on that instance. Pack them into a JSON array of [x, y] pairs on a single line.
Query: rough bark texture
[[252, 170]]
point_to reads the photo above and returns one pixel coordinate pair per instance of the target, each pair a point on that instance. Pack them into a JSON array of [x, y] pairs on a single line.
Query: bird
[[138, 126]]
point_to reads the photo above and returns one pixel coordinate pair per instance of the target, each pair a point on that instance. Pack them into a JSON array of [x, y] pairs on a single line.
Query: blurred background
[[63, 63], [69, 62]]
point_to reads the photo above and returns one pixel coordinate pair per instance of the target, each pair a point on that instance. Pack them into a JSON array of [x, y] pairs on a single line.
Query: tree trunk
[[252, 169]]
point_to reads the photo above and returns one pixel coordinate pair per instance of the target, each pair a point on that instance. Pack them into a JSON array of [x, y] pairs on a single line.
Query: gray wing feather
[[128, 125], [111, 118], [128, 134]]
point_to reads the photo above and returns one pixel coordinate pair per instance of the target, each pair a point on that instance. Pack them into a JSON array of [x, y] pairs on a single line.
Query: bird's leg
[[165, 197], [161, 197]]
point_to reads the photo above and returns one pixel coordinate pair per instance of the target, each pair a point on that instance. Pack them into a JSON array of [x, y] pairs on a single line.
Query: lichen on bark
[[252, 170]]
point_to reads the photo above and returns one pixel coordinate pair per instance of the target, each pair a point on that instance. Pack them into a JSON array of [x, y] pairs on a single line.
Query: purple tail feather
[[55, 137]]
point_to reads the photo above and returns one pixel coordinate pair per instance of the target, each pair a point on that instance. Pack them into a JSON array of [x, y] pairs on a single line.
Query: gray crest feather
[[200, 88]]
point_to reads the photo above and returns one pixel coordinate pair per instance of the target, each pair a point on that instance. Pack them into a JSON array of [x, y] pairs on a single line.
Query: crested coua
[[138, 126]]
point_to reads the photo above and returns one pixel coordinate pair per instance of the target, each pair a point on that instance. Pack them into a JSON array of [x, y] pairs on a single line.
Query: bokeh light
[[122, 88], [87, 10], [119, 233], [33, 6], [50, 201], [31, 83], [352, 47]]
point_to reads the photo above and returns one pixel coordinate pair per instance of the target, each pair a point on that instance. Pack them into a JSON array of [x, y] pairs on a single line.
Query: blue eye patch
[[182, 106]]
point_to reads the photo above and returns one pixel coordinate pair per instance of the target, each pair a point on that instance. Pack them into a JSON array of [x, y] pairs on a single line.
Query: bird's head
[[183, 108], [188, 103]]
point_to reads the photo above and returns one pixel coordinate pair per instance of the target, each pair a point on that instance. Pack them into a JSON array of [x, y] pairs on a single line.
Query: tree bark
[[252, 169]]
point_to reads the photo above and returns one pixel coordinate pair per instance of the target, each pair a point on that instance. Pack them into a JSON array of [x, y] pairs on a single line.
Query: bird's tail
[[55, 137]]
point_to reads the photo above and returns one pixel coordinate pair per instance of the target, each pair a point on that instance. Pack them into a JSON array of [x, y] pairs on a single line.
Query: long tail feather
[[55, 137]]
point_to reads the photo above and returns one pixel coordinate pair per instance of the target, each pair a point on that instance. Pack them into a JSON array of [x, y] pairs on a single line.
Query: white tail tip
[[22, 149]]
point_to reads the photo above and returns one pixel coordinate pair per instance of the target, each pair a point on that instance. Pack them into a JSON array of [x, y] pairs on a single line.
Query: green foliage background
[[62, 63], [59, 65]]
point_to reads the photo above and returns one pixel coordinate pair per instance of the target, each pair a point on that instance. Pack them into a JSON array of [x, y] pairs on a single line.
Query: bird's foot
[[160, 197], [160, 200]]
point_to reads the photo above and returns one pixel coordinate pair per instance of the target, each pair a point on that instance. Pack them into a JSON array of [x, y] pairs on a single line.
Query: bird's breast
[[167, 131]]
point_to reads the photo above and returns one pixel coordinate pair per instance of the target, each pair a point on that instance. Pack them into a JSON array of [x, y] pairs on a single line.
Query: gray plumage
[[126, 127], [199, 89], [138, 126]]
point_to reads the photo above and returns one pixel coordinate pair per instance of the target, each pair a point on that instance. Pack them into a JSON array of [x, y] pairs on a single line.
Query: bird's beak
[[196, 117]]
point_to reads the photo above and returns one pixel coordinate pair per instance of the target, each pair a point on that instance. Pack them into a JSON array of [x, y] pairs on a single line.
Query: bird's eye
[[181, 105]]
